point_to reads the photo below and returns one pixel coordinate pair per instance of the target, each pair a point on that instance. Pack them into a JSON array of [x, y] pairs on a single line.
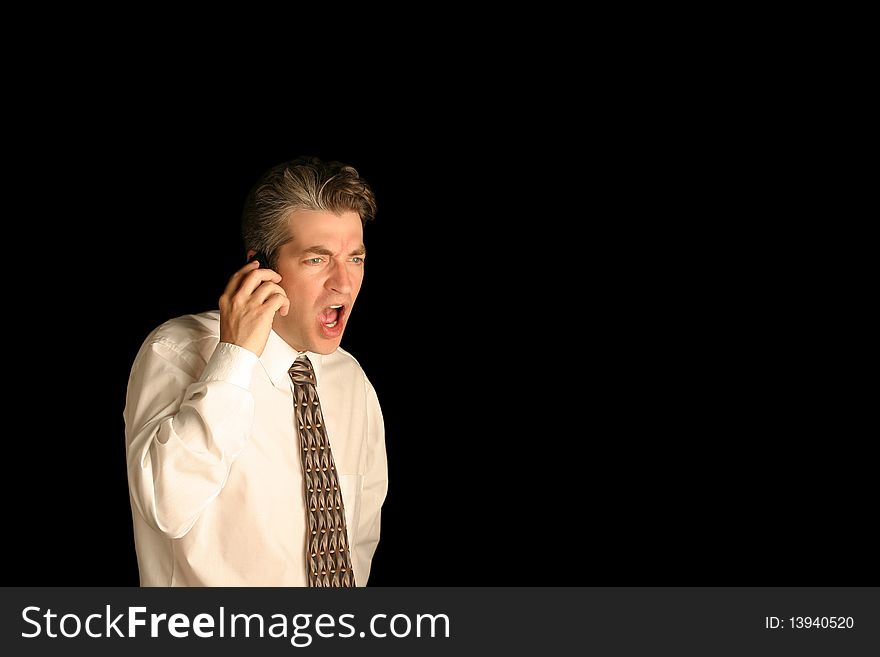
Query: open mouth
[[331, 316]]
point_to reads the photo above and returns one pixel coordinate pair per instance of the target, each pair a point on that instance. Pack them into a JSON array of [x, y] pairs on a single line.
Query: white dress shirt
[[214, 470]]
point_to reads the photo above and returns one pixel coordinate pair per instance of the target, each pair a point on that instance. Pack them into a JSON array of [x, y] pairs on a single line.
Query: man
[[233, 477]]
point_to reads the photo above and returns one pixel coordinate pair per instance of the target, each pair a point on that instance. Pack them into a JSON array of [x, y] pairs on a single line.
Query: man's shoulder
[[345, 366], [344, 363]]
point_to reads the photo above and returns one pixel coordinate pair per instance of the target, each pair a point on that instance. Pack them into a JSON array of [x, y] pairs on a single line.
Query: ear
[[250, 254]]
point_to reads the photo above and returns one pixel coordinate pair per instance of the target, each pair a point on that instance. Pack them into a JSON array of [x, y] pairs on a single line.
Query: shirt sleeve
[[375, 488], [183, 432]]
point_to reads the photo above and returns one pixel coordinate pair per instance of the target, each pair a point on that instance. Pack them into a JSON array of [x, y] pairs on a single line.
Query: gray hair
[[305, 183]]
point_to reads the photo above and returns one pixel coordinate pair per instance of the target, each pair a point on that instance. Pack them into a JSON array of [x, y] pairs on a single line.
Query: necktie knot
[[301, 372]]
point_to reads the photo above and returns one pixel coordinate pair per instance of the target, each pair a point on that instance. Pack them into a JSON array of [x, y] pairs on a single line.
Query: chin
[[324, 347]]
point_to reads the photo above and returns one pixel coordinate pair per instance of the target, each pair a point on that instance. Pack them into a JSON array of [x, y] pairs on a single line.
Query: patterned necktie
[[327, 550]]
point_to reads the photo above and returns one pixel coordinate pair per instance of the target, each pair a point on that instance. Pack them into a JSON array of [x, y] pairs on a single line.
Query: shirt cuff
[[232, 364]]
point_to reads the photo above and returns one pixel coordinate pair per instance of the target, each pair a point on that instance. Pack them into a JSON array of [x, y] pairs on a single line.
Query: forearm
[[184, 435]]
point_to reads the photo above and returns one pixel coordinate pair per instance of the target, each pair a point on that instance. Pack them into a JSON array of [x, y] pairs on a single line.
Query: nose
[[339, 279]]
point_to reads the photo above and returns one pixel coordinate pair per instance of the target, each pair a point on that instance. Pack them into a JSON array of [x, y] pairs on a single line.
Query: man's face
[[321, 267]]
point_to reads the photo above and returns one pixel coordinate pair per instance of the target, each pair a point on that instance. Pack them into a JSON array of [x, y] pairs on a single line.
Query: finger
[[266, 290], [235, 279], [253, 279], [278, 303]]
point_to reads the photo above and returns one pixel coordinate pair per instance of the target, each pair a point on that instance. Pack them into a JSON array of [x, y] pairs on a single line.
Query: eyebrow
[[323, 250]]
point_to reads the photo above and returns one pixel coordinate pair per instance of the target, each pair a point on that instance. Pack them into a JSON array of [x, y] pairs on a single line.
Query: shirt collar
[[277, 358]]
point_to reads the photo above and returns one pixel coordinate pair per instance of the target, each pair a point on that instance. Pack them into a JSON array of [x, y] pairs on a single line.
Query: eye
[[358, 260], [314, 261]]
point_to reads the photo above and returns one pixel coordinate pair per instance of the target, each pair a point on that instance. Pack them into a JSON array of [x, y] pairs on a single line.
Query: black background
[[142, 225], [637, 416]]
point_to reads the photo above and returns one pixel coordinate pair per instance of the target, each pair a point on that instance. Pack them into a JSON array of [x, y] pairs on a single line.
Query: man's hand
[[248, 306]]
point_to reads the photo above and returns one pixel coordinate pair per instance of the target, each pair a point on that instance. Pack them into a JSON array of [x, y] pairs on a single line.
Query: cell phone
[[262, 257]]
